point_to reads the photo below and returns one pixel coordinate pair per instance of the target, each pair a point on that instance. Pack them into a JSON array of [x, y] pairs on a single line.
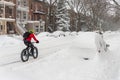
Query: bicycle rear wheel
[[35, 53], [24, 55]]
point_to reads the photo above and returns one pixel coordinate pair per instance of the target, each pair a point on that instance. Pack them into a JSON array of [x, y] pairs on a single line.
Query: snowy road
[[14, 58], [62, 59]]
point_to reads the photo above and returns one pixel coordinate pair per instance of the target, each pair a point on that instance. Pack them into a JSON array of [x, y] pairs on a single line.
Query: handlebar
[[33, 42]]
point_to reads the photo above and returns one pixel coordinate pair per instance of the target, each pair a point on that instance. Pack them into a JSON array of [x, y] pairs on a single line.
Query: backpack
[[26, 35]]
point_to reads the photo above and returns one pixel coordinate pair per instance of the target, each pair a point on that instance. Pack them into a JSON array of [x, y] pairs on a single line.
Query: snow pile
[[57, 34]]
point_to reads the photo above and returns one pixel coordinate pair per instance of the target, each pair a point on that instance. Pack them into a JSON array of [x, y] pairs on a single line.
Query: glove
[[99, 51], [37, 41], [107, 45]]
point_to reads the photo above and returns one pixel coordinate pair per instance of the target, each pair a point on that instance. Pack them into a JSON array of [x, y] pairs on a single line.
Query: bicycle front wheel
[[24, 55], [35, 53]]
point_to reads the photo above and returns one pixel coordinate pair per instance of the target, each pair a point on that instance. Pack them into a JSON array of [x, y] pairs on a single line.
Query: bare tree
[[95, 13], [51, 15], [98, 9], [118, 4], [79, 8], [116, 18], [73, 16]]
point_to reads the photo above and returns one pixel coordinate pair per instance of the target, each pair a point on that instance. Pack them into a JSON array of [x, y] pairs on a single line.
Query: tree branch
[[116, 3]]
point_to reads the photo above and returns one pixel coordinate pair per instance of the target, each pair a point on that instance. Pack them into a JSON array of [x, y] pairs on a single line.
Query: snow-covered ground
[[61, 58]]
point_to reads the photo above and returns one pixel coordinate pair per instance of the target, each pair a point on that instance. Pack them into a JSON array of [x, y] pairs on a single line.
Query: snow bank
[[8, 41], [67, 33], [8, 75], [85, 40], [74, 33], [43, 34], [57, 34], [10, 45]]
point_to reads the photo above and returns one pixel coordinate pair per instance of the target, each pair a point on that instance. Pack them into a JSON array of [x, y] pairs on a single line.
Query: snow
[[21, 8], [58, 33], [61, 58], [7, 3], [33, 21], [39, 12], [7, 19]]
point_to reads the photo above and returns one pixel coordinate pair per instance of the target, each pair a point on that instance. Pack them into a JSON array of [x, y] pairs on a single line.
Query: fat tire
[[35, 53], [24, 53]]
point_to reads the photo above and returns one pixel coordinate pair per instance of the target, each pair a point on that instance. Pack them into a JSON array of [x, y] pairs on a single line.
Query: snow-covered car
[[74, 33], [43, 34], [67, 33], [58, 34]]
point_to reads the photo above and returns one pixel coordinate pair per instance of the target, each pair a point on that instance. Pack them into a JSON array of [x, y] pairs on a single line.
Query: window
[[41, 28], [36, 8], [18, 14], [31, 6], [38, 17], [1, 9], [37, 29], [40, 7], [1, 5], [25, 3], [1, 27], [18, 2], [24, 15], [32, 17]]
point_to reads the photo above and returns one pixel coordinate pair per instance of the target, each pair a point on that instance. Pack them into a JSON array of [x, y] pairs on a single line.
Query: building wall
[[22, 11], [38, 12], [7, 16]]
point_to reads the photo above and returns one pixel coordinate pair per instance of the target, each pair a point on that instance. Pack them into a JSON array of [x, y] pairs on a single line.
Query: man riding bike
[[30, 50], [28, 37]]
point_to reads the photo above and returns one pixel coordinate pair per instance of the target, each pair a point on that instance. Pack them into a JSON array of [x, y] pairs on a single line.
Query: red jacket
[[30, 38]]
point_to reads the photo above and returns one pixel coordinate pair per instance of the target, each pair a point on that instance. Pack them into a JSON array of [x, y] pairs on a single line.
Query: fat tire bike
[[27, 52]]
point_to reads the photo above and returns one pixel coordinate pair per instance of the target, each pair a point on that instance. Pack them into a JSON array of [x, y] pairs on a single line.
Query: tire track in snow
[[14, 59]]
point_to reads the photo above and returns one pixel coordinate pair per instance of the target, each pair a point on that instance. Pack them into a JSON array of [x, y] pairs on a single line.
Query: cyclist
[[28, 37]]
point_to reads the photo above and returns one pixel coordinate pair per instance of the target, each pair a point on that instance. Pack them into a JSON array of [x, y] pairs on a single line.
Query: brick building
[[37, 16], [7, 16], [17, 16]]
